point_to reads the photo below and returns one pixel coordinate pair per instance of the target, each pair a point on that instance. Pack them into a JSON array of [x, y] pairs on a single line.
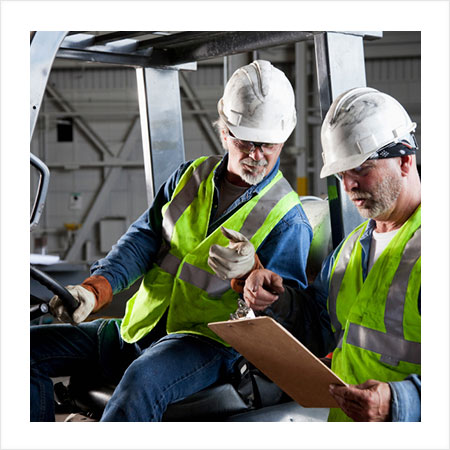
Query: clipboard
[[282, 358]]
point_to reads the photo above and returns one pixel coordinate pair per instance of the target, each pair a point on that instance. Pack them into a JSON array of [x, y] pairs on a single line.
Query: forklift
[[159, 59]]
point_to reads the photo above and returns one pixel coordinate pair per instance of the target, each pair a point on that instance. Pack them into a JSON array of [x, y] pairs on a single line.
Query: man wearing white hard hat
[[370, 284], [230, 213]]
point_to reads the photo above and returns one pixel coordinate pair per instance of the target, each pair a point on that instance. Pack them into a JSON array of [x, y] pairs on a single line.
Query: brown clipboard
[[282, 358]]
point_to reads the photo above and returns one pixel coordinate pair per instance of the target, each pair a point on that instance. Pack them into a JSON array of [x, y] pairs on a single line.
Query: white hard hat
[[258, 104], [358, 123]]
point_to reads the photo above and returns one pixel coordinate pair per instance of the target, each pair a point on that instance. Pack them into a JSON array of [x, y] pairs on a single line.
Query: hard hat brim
[[264, 136], [342, 165]]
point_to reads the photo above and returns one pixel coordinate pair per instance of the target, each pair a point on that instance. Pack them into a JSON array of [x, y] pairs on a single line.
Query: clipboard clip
[[242, 312]]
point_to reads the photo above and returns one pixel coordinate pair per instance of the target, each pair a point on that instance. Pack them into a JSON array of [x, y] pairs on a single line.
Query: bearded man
[[162, 350], [370, 284]]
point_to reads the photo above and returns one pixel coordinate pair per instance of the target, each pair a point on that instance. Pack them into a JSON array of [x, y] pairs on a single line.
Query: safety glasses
[[248, 147], [360, 171]]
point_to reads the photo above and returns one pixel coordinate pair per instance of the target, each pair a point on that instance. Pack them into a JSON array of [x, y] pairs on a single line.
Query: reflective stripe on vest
[[185, 197], [259, 213], [338, 275], [392, 346], [204, 280], [393, 315]]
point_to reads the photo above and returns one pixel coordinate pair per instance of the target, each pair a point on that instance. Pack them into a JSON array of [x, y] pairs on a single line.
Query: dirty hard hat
[[360, 122], [258, 104]]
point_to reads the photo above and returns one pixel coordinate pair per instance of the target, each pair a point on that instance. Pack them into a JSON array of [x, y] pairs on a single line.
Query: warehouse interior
[[88, 133], [108, 155]]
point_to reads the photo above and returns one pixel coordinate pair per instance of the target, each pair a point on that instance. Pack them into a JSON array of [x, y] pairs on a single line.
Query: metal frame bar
[[335, 51], [41, 195], [178, 48], [117, 36], [173, 49], [161, 125], [230, 43], [43, 49], [301, 101]]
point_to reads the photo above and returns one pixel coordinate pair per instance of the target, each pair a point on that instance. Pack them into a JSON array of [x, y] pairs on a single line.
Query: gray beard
[[251, 178], [382, 199]]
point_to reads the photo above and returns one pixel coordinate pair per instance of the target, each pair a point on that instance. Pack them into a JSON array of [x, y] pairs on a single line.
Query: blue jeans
[[150, 374]]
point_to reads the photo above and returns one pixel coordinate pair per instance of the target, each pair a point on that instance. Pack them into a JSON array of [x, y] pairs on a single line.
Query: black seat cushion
[[211, 404], [246, 390]]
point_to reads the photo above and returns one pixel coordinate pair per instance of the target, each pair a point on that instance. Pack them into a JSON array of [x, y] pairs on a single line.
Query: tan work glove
[[93, 294], [86, 300], [234, 261]]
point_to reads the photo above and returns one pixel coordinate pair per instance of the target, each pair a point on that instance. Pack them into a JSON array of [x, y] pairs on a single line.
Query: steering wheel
[[40, 307]]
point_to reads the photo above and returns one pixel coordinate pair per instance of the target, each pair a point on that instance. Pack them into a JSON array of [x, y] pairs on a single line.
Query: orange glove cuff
[[102, 290], [237, 284]]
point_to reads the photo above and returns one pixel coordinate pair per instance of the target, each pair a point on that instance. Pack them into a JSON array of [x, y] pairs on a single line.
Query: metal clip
[[241, 311]]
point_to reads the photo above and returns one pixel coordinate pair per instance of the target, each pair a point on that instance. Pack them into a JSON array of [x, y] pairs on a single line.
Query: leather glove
[[96, 285], [86, 300], [234, 261]]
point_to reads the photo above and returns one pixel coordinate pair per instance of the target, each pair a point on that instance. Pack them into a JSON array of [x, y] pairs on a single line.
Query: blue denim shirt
[[405, 394], [284, 251]]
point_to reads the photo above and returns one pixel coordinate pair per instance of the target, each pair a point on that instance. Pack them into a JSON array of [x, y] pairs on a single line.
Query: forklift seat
[[215, 403]]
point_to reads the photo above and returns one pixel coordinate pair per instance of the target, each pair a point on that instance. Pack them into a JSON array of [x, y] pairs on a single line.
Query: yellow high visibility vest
[[377, 321], [181, 280]]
